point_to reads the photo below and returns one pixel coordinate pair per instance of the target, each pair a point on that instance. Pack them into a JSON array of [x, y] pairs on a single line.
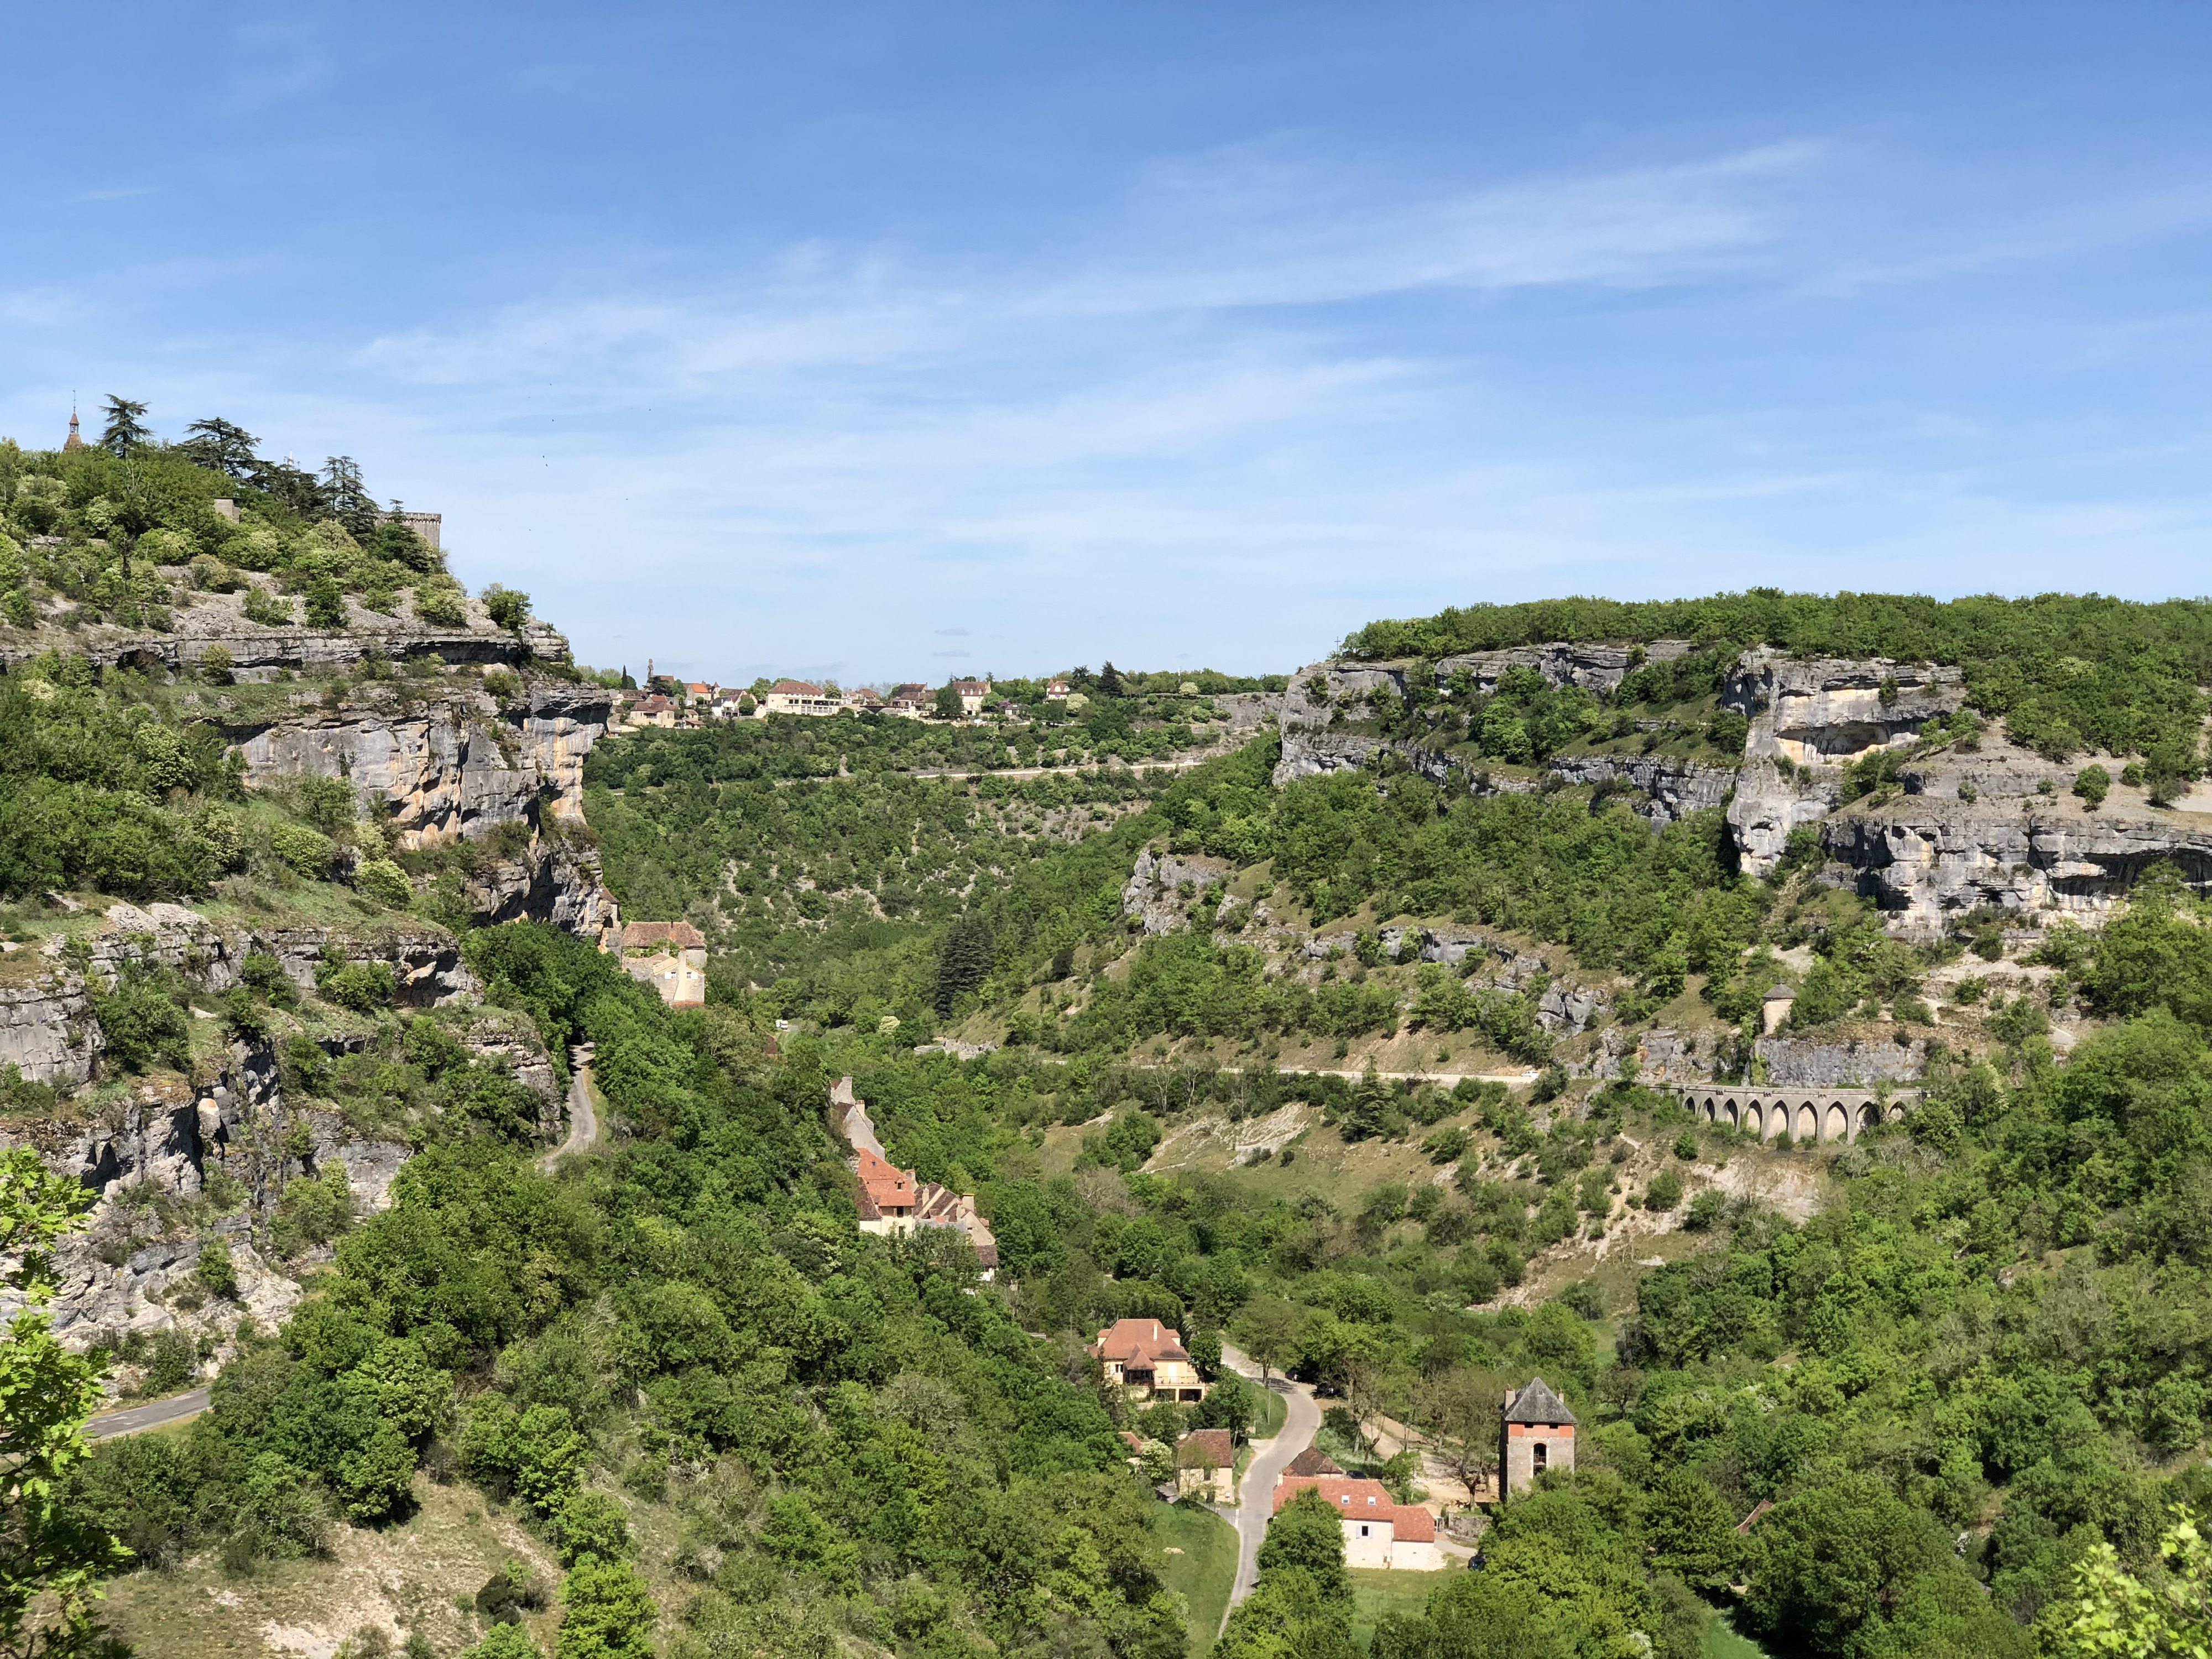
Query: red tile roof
[[1313, 1461], [795, 689], [1363, 1500], [1139, 1342], [884, 1184]]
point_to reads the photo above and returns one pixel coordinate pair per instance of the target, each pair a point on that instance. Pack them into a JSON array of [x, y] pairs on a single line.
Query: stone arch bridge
[[1764, 1111]]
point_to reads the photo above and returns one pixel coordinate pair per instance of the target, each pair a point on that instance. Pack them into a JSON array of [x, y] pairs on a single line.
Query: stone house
[[1378, 1530], [1538, 1434], [1775, 1009], [892, 1201], [1147, 1358], [669, 956], [1206, 1466], [972, 695], [1056, 691]]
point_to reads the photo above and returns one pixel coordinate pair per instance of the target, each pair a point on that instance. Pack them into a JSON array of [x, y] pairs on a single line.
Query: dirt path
[[583, 1121], [1301, 1422]]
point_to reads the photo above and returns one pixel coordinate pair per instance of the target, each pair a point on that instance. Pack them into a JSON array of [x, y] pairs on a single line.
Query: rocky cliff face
[[1960, 829], [1819, 714]]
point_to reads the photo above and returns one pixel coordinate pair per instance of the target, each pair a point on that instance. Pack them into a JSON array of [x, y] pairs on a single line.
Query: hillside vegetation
[[1955, 1375]]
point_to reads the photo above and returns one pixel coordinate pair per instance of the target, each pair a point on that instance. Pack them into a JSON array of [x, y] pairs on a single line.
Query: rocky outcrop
[[1672, 788], [1925, 858], [1153, 894], [1592, 667], [258, 651], [1815, 715], [1792, 1061], [47, 1032]]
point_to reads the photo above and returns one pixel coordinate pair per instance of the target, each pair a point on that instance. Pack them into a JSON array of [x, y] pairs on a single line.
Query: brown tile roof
[[1132, 1442], [972, 688], [1140, 1342], [1312, 1461], [1206, 1449], [646, 935], [795, 689]]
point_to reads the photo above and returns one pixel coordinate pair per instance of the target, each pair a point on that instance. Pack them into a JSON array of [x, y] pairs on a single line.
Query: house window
[[1543, 1456], [1362, 1532]]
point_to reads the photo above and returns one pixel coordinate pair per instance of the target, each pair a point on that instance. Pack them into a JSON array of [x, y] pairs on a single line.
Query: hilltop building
[[972, 695], [1538, 1434], [75, 439]]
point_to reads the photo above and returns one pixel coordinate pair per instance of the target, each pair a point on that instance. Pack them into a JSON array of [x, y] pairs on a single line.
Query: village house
[[1538, 1434], [798, 697], [1147, 1358], [972, 694], [655, 710], [669, 956], [1378, 1530], [1312, 1461], [892, 1201], [1206, 1466], [1056, 691]]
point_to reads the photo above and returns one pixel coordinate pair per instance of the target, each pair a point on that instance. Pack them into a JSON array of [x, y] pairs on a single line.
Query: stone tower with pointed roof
[[75, 439], [1538, 1434]]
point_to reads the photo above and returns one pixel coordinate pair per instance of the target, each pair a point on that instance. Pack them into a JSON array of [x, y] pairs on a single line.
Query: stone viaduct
[[1764, 1110]]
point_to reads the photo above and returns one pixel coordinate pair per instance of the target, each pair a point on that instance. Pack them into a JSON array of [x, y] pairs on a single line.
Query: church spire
[[76, 440]]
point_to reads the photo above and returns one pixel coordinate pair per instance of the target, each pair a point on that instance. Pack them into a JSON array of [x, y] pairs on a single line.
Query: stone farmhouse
[[669, 956], [1538, 1434], [1148, 1360], [1206, 1466], [973, 693], [891, 1201], [1378, 1530], [799, 697]]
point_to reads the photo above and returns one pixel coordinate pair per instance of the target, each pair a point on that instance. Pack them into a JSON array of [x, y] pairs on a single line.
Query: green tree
[[2114, 1615], [125, 433], [1308, 1534], [2093, 783], [222, 446], [53, 1555], [609, 1614]]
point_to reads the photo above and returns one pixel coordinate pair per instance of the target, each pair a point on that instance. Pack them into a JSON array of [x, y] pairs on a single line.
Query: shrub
[[267, 609], [215, 1270], [440, 607], [364, 986], [385, 882], [327, 606], [140, 1021], [1665, 1191], [2092, 784], [507, 607], [217, 667], [1704, 1211], [305, 850]]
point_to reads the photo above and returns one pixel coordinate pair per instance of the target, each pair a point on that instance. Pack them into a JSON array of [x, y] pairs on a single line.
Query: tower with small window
[[1538, 1434]]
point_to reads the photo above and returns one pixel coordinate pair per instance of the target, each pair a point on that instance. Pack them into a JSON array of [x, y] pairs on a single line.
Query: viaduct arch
[[1764, 1111]]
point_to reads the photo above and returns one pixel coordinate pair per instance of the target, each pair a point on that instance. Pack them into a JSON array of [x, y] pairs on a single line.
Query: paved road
[[151, 1415], [1300, 1425], [583, 1122]]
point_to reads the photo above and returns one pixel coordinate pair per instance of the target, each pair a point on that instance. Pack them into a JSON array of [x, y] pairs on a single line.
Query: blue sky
[[882, 341]]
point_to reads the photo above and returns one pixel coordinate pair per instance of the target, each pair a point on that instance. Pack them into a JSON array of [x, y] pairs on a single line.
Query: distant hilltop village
[[670, 702]]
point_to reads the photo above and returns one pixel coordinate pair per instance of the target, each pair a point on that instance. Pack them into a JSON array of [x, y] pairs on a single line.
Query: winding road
[[151, 1415], [583, 1122], [1301, 1422]]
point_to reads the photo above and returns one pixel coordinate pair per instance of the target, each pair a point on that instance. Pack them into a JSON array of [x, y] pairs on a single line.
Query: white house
[[1378, 1530]]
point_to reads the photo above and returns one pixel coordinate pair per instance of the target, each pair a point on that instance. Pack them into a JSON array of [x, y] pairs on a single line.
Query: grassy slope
[[1377, 1593], [1203, 1573]]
